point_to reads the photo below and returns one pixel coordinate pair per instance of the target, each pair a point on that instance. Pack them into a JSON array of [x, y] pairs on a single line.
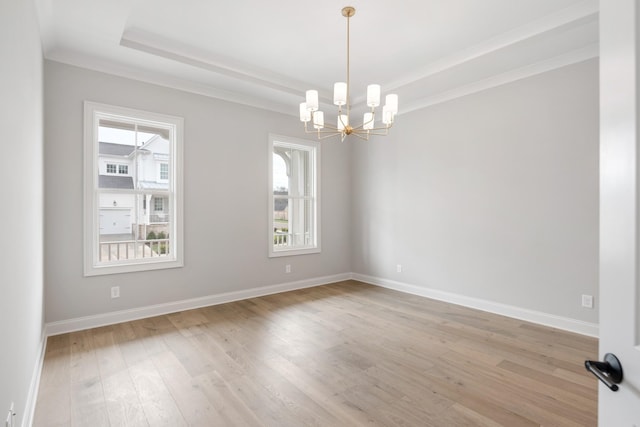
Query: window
[[294, 202], [164, 171], [121, 151], [158, 204]]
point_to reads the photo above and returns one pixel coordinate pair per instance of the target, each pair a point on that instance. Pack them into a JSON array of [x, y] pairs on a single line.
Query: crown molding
[[573, 57], [119, 70], [574, 15]]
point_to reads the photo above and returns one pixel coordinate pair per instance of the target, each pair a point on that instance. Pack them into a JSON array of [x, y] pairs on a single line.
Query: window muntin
[[121, 149], [294, 213]]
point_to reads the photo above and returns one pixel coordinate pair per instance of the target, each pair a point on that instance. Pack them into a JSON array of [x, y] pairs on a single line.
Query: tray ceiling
[[266, 54]]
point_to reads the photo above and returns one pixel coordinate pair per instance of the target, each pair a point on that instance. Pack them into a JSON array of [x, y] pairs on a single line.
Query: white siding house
[[122, 167]]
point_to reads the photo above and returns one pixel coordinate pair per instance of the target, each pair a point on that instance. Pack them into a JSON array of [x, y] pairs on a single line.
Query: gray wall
[[225, 203], [21, 251], [493, 195]]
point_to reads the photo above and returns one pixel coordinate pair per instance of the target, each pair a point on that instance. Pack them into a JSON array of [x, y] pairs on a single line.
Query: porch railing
[[158, 218], [133, 249], [283, 239]]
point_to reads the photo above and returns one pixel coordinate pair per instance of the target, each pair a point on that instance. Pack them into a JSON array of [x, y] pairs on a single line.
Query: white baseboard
[[88, 322], [34, 386], [559, 322], [546, 319]]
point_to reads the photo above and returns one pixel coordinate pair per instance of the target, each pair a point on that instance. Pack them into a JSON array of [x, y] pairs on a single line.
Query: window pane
[[280, 222], [299, 181], [301, 223], [280, 176], [154, 152]]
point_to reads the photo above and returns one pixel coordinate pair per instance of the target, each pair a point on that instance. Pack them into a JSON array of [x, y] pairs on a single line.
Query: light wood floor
[[346, 354]]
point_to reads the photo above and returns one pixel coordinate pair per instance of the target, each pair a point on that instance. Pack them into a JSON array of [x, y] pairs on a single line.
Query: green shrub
[[151, 235]]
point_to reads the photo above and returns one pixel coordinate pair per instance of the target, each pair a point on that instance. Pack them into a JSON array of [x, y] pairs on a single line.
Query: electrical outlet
[[287, 268], [587, 301], [115, 292], [399, 268]]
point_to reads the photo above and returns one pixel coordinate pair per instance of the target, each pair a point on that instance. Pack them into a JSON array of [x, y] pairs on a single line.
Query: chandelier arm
[[379, 132], [326, 133], [361, 129], [326, 126], [330, 135], [361, 135], [318, 131]]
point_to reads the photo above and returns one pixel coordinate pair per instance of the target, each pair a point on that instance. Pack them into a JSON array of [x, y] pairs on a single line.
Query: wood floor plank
[[231, 410], [122, 401], [190, 400], [88, 404], [157, 402], [345, 354]]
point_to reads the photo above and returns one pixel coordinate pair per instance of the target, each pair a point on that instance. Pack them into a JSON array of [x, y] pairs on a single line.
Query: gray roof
[[109, 181], [115, 149]]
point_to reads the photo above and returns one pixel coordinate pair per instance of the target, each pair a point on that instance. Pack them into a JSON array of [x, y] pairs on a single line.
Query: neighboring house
[[132, 215]]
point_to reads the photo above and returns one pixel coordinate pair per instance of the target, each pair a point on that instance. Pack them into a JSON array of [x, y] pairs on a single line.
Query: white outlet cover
[[587, 301]]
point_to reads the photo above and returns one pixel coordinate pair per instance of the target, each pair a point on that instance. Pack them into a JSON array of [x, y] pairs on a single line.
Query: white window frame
[[314, 148], [123, 166], [93, 112]]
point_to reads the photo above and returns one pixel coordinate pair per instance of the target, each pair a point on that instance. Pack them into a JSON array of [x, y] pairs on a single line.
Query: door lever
[[609, 371]]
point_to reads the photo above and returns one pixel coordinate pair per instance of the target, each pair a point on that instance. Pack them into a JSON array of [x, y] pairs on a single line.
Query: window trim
[[306, 144], [93, 111]]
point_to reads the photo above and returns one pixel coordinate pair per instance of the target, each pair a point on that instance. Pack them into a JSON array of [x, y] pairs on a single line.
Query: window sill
[[105, 269], [273, 253]]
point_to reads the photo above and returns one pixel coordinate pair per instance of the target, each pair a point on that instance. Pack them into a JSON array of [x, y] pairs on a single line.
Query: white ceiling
[[266, 54]]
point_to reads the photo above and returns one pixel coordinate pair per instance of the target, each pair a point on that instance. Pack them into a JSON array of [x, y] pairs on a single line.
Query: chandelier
[[309, 110]]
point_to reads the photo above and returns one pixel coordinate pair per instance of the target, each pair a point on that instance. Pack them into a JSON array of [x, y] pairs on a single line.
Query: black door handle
[[609, 371]]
